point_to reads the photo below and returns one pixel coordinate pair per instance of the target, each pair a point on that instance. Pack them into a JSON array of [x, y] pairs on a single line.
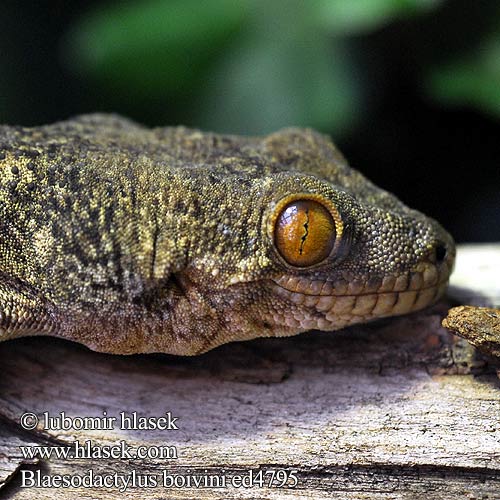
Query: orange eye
[[304, 233]]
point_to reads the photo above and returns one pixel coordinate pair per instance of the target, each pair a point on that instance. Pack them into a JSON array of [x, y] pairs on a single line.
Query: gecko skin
[[129, 239]]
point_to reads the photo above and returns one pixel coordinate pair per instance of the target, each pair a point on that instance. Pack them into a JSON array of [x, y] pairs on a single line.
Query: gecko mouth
[[329, 305]]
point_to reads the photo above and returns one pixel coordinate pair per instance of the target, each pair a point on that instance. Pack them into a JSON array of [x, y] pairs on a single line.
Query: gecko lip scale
[[327, 305]]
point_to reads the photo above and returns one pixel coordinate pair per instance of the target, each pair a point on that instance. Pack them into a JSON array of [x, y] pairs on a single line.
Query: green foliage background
[[410, 89], [250, 66]]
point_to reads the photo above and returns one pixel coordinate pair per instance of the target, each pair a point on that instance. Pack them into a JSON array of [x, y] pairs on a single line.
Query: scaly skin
[[130, 240]]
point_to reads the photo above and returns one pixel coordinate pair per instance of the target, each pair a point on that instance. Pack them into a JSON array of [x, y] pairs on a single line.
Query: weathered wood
[[477, 282], [397, 409], [478, 325]]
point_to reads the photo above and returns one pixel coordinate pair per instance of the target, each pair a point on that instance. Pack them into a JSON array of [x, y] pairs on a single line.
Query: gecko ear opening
[[305, 231]]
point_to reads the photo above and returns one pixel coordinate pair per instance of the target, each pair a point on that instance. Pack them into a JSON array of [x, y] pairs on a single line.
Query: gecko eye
[[304, 233]]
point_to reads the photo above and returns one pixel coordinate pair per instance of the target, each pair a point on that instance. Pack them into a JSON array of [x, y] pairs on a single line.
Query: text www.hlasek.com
[[87, 450]]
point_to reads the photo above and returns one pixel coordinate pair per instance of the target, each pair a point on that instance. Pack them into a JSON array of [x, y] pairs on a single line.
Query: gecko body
[[129, 239]]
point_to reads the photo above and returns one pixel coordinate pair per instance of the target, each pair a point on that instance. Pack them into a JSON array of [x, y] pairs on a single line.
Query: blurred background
[[408, 89]]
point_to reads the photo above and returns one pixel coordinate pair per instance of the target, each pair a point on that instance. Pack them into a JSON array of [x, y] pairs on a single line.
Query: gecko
[[130, 239]]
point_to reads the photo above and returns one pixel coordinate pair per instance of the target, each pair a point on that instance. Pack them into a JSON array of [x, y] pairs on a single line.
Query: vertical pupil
[[304, 233]]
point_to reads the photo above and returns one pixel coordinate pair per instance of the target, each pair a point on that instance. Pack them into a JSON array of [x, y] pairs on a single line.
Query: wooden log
[[397, 409]]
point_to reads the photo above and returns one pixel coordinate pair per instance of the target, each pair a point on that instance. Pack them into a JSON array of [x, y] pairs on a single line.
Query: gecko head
[[331, 255], [344, 261], [297, 240]]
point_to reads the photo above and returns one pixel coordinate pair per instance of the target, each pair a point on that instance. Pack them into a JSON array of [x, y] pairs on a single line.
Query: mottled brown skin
[[130, 240]]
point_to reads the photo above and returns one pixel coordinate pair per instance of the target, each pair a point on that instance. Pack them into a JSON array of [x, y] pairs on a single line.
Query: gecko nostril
[[441, 252]]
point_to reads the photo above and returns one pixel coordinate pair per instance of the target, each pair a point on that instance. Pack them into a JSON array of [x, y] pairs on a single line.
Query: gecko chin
[[331, 304]]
